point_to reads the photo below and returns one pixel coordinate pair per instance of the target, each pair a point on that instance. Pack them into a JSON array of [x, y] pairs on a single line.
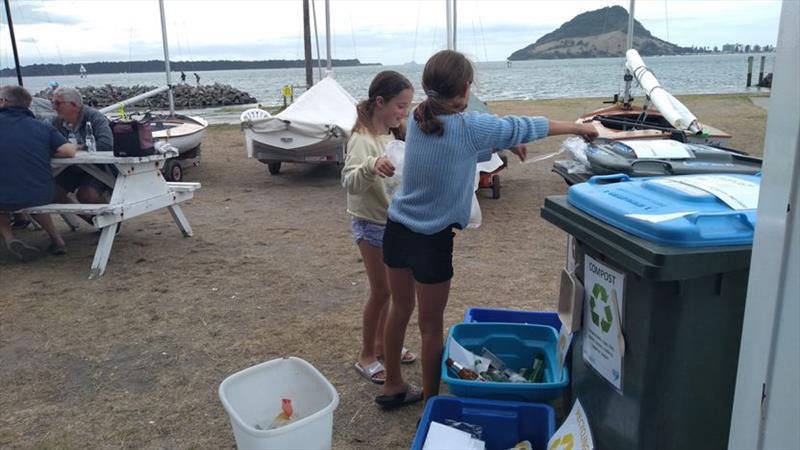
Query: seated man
[[72, 116], [26, 178]]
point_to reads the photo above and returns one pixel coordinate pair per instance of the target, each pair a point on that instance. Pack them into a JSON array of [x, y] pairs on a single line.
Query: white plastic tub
[[253, 397]]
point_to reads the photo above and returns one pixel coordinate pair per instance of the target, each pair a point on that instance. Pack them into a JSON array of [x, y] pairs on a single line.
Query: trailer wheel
[[173, 171], [496, 187], [274, 168]]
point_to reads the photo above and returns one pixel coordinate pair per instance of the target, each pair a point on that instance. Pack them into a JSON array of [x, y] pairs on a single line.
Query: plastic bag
[[475, 216], [395, 151], [577, 148]]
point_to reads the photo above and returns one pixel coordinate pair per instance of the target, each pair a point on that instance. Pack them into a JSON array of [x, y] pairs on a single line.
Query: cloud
[[28, 13]]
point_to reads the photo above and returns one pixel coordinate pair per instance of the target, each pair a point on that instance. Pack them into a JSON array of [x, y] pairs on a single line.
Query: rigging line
[[174, 65], [189, 49], [416, 30], [483, 36], [353, 36], [58, 48], [130, 50], [666, 17]]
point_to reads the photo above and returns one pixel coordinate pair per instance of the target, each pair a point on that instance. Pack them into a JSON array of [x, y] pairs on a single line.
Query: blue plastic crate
[[504, 423], [485, 315], [516, 345]]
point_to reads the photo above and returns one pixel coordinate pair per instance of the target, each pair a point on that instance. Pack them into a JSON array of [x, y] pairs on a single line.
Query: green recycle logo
[[599, 294]]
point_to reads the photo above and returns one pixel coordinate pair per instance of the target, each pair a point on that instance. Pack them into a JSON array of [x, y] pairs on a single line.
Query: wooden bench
[[177, 186], [91, 209]]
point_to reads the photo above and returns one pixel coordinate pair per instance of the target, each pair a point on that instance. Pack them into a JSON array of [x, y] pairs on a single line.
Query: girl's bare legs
[[432, 299], [371, 327], [381, 326], [400, 309]]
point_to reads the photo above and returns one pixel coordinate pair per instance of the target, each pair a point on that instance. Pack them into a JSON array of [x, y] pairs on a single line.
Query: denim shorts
[[367, 231]]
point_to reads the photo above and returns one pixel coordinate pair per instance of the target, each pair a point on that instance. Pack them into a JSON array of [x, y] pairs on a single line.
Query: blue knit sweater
[[439, 171]]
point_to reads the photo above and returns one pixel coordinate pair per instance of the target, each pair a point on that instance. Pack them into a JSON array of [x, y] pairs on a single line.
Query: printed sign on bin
[[603, 343], [574, 433]]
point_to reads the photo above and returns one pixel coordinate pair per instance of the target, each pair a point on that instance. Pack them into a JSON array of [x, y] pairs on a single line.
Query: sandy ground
[[134, 359]]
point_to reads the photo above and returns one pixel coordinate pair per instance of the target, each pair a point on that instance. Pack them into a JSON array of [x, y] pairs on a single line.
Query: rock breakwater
[[185, 96]]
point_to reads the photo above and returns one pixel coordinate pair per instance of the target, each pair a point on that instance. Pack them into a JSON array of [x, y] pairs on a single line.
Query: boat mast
[[328, 35], [449, 12], [13, 42], [166, 59], [307, 44], [455, 25], [627, 98]]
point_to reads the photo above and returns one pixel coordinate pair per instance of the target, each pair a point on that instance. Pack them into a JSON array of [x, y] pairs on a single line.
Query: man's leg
[[46, 221]]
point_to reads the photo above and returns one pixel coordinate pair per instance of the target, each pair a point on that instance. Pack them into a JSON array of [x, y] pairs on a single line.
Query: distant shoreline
[[155, 66]]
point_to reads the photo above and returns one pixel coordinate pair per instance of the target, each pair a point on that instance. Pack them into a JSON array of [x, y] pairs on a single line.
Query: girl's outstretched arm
[[584, 130]]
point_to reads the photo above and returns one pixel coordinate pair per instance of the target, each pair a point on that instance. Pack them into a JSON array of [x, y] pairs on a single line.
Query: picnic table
[[139, 188]]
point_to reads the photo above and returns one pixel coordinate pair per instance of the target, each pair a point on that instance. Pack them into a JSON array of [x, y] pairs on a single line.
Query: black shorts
[[72, 178], [429, 256]]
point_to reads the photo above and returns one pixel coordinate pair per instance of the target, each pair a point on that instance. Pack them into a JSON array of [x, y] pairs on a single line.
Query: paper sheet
[[737, 193], [662, 148], [442, 437], [658, 218], [466, 358]]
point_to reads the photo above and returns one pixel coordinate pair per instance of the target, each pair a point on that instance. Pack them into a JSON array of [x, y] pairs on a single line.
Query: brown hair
[[15, 96], [387, 85], [445, 75]]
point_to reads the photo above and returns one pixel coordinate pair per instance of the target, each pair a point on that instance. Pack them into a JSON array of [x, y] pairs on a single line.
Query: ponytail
[[445, 75], [387, 85]]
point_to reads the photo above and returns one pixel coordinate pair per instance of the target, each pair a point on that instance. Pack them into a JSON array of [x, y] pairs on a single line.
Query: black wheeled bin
[[681, 318]]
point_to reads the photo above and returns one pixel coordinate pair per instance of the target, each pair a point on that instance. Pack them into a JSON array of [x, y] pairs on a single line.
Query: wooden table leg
[[103, 251]]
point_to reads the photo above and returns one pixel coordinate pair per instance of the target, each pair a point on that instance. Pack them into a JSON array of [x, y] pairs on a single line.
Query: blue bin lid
[[681, 211]]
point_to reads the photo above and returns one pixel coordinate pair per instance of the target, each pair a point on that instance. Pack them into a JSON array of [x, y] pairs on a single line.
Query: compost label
[[603, 343], [574, 433]]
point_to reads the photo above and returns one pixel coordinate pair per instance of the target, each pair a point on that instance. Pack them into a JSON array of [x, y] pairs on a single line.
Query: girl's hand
[[587, 131], [521, 151], [383, 167]]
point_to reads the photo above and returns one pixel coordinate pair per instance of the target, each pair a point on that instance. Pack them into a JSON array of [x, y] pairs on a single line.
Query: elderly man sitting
[[71, 122], [25, 175]]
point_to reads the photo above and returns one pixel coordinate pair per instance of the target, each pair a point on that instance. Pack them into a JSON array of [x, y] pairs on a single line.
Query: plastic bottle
[[71, 138], [91, 143], [461, 371]]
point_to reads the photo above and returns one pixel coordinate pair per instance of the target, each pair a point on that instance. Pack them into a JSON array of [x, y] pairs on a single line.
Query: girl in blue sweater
[[443, 145]]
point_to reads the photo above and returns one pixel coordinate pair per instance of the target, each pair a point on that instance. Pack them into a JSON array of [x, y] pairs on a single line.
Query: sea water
[[523, 80]]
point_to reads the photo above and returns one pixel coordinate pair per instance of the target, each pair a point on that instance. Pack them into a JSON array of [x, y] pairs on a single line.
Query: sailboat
[[668, 119], [313, 129], [182, 132], [82, 71]]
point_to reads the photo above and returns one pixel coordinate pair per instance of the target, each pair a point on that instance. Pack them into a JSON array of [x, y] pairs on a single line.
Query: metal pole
[[761, 70], [455, 25], [449, 24], [749, 71], [328, 33], [316, 36], [166, 59], [627, 98], [133, 100], [307, 44], [13, 42]]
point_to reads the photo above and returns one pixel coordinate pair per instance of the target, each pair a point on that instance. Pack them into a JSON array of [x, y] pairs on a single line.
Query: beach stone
[[184, 95]]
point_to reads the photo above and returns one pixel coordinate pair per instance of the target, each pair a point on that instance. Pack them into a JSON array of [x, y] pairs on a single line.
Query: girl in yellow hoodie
[[380, 120]]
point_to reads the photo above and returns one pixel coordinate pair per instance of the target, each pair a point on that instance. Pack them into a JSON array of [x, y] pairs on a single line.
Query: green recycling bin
[[654, 364]]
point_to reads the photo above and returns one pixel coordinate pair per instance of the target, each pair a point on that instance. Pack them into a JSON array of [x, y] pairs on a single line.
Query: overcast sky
[[384, 31]]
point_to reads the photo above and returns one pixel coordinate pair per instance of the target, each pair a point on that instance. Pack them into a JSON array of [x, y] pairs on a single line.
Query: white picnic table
[[139, 188]]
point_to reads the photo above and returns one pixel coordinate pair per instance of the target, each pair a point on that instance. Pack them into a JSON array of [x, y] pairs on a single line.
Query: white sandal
[[370, 371]]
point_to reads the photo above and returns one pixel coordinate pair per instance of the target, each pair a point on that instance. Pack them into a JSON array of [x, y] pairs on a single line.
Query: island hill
[[600, 33], [176, 66]]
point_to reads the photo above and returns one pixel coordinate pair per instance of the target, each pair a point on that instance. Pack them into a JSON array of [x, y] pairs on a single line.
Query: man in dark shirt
[[25, 175], [71, 123]]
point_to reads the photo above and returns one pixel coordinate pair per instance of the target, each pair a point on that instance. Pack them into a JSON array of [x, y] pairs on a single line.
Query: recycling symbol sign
[[597, 301], [565, 442]]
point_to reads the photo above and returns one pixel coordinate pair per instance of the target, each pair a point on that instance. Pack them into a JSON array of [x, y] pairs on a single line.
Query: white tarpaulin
[[673, 110], [324, 107]]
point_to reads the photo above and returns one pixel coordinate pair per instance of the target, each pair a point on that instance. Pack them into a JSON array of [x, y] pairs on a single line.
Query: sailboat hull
[[615, 121], [183, 132]]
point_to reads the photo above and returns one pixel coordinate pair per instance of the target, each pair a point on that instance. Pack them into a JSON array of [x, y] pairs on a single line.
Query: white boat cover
[[673, 110], [317, 113]]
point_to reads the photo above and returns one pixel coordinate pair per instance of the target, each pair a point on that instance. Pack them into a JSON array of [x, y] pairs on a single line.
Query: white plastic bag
[[475, 216], [395, 151]]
